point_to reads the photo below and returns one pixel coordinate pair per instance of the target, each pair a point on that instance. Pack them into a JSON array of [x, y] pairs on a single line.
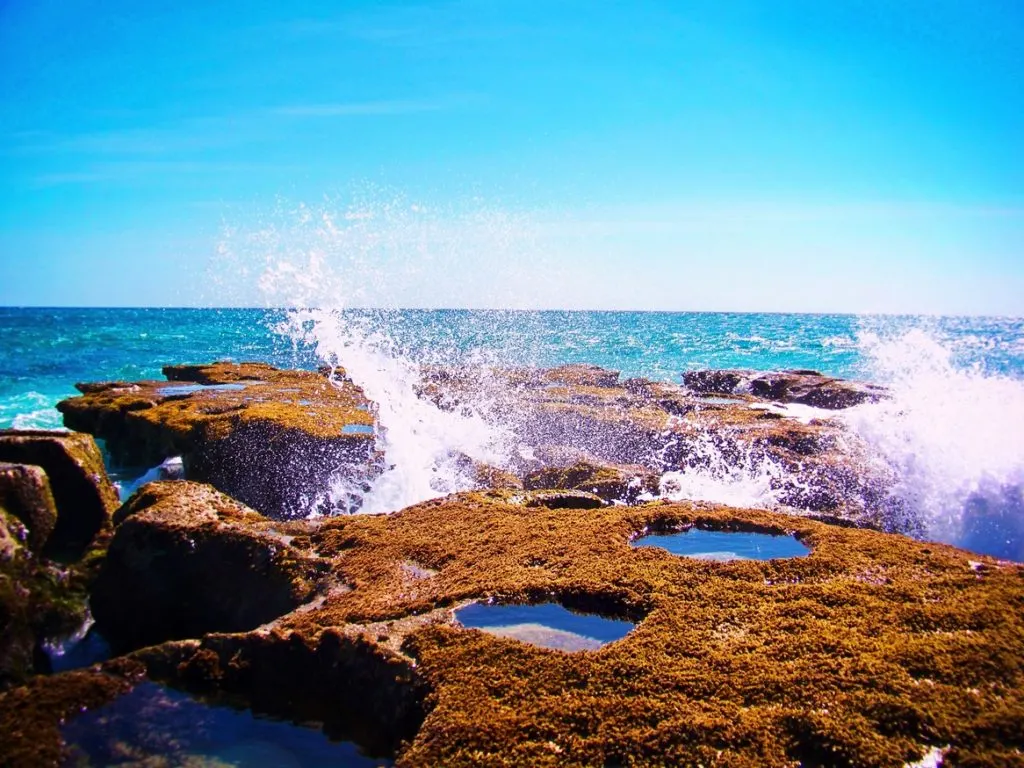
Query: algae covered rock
[[41, 599], [31, 716], [25, 495], [279, 441], [872, 650], [84, 495], [186, 560]]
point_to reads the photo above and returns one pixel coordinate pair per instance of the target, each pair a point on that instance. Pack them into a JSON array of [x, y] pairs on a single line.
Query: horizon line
[[251, 308]]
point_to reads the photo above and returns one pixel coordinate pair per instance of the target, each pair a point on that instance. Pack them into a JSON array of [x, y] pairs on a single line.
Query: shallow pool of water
[[188, 389], [357, 429], [723, 546], [156, 725], [548, 625]]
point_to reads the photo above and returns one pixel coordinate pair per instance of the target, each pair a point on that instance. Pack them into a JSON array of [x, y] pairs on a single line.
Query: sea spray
[[425, 447], [742, 477], [953, 436], [330, 261]]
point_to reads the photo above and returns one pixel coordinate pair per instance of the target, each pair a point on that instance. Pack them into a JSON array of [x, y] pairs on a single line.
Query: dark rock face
[[39, 599], [799, 386], [186, 560], [84, 495], [273, 439]]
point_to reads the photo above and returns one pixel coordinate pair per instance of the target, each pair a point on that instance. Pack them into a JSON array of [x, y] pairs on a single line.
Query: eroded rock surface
[[25, 495], [84, 495], [54, 521], [870, 651], [275, 440]]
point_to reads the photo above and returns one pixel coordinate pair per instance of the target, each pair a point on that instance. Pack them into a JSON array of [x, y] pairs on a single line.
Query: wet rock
[[186, 560], [276, 440], [25, 495], [798, 386], [867, 651], [639, 429], [360, 689], [563, 500], [39, 601], [84, 495]]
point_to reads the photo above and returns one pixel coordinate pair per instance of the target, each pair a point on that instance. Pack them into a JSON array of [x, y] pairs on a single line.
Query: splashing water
[[738, 478], [954, 437], [378, 253], [425, 447]]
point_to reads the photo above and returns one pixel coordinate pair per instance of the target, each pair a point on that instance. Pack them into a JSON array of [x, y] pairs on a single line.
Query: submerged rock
[[31, 715], [868, 651], [186, 560], [276, 440]]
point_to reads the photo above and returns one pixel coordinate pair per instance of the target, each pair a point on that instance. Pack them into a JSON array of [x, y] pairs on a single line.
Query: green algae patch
[[870, 651]]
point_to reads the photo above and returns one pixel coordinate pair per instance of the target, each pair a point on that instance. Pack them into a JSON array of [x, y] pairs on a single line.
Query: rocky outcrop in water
[[275, 440], [871, 651], [581, 420], [55, 507], [799, 386]]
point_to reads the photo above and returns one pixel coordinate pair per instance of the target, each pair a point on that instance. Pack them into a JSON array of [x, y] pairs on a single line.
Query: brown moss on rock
[[869, 651], [186, 560], [84, 495], [610, 482], [272, 439]]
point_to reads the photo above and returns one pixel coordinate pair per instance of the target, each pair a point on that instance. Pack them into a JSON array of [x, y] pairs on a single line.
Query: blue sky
[[786, 155]]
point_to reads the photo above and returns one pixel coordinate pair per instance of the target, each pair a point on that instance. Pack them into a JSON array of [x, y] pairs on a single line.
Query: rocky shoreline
[[875, 649]]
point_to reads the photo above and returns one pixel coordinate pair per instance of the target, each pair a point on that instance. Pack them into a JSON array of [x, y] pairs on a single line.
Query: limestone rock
[[186, 560], [869, 651], [83, 493], [25, 494], [798, 386], [608, 481], [275, 440]]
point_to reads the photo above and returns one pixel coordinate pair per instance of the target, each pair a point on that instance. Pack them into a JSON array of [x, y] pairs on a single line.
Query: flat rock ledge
[[871, 651], [275, 440]]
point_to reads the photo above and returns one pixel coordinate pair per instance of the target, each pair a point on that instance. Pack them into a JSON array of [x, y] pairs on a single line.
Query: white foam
[[954, 438], [747, 480], [424, 446]]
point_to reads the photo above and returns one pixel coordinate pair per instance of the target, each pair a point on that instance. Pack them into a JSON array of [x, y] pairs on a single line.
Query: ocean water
[[953, 431]]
